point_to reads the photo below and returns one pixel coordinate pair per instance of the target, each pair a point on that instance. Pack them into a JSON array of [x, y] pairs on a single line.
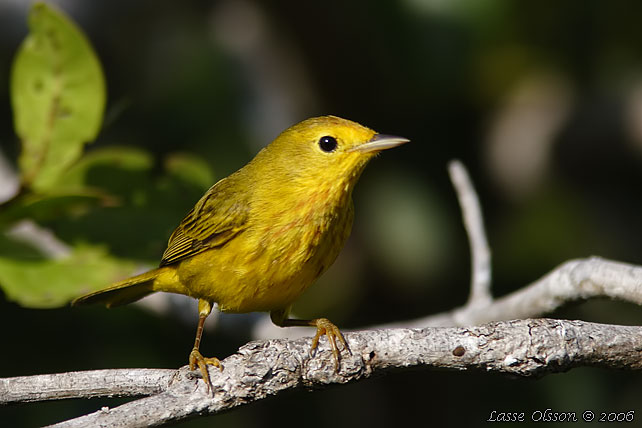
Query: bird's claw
[[196, 359], [325, 327]]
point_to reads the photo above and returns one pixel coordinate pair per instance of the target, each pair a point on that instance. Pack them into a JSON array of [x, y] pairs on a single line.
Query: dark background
[[541, 100]]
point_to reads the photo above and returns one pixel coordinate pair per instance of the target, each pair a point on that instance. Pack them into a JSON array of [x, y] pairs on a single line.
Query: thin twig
[[480, 258]]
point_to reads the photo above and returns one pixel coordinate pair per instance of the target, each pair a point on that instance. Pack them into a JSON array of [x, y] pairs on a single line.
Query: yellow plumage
[[258, 238]]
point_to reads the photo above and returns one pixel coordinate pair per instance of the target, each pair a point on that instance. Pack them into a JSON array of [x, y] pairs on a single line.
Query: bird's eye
[[328, 144]]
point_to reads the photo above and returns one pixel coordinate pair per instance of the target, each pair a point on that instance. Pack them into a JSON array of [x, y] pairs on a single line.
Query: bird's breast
[[268, 265]]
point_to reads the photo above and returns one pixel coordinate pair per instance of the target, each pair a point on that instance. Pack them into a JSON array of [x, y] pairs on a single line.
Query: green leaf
[[53, 205], [89, 182], [47, 283], [57, 95], [123, 158]]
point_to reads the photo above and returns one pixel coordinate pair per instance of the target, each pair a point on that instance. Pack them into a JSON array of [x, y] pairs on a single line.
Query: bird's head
[[326, 148]]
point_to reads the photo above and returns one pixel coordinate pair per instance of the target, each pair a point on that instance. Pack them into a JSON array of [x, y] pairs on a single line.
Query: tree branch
[[86, 384], [532, 347], [571, 281]]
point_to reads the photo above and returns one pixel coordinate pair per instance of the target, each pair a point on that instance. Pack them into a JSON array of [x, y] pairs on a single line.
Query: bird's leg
[[195, 357], [324, 327]]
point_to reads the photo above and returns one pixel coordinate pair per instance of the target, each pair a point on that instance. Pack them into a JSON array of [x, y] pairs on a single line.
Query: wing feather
[[220, 215]]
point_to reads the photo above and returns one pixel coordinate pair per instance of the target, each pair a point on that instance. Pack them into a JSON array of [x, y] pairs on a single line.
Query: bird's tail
[[125, 291]]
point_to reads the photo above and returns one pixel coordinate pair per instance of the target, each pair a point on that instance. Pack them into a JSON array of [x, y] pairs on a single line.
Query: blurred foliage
[[541, 100], [41, 282], [57, 94], [58, 97]]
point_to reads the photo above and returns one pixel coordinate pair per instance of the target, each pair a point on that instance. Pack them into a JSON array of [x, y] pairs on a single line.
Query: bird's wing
[[220, 215]]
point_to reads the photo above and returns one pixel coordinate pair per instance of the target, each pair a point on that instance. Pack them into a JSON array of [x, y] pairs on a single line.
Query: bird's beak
[[380, 142]]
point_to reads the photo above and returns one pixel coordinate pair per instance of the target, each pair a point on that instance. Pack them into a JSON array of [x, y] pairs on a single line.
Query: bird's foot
[[325, 327], [196, 359]]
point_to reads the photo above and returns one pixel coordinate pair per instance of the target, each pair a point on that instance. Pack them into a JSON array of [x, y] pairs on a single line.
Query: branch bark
[[86, 384], [532, 347]]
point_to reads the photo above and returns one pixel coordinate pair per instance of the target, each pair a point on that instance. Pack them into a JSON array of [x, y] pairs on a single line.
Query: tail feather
[[123, 292]]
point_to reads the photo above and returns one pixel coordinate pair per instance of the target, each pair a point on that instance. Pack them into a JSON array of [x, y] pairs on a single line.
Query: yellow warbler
[[258, 238]]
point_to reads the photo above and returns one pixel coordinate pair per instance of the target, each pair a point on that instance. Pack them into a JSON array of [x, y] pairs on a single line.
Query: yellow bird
[[258, 238]]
